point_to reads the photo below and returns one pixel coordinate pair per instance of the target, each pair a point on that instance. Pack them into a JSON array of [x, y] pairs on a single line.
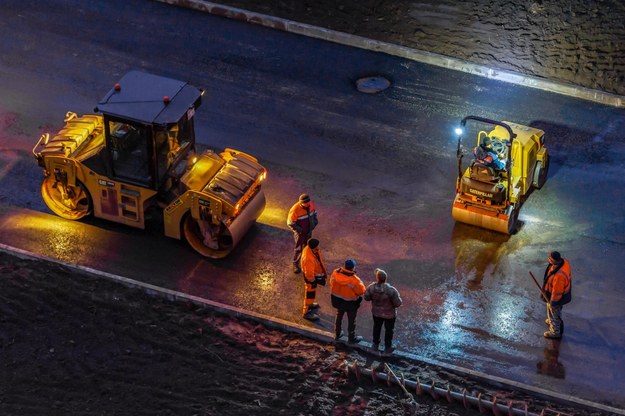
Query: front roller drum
[[501, 222], [217, 241], [66, 201]]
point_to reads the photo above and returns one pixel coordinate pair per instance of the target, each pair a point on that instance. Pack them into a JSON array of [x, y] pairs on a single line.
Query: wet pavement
[[380, 167]]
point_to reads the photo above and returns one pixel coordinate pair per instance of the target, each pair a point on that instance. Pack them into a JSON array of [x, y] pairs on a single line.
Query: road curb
[[308, 332], [443, 61]]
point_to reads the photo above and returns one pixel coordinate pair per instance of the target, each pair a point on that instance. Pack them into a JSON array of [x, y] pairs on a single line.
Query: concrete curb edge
[[308, 332], [443, 61]]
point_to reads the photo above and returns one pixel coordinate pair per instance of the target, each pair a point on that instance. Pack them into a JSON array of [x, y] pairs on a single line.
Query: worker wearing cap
[[385, 300], [347, 290], [314, 273], [557, 290], [302, 220]]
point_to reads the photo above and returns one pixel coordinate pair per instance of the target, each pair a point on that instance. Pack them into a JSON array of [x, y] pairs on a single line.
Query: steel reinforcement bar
[[437, 393]]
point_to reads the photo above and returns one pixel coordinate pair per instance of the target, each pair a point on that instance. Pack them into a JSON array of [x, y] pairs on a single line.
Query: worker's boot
[[311, 316], [313, 307], [296, 268], [552, 335], [388, 349], [354, 339]]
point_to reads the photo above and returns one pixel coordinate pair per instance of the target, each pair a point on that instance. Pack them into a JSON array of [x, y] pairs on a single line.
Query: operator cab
[[148, 127]]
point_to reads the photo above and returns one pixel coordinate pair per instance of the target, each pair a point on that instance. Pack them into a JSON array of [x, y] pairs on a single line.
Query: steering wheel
[[498, 147]]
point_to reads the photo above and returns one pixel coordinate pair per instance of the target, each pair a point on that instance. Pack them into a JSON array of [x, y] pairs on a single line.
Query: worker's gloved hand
[[552, 303]]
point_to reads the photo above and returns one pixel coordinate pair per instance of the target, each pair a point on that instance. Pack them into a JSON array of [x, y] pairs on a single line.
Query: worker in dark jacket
[[302, 220], [347, 290], [385, 300], [557, 290]]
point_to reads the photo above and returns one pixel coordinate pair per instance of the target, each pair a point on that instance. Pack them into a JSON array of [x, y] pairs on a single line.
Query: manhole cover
[[371, 85]]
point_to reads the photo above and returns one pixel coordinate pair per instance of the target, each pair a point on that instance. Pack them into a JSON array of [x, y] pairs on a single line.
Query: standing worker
[[347, 290], [302, 220], [385, 300], [557, 292], [314, 273]]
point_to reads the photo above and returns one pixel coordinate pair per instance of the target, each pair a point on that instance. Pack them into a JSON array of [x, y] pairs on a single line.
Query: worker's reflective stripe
[[301, 218], [345, 298], [304, 217]]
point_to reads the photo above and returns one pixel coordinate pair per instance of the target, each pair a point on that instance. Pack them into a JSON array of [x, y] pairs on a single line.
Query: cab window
[[130, 151], [167, 148]]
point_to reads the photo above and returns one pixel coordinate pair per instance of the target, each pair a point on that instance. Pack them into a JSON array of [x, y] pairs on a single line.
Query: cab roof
[[140, 96]]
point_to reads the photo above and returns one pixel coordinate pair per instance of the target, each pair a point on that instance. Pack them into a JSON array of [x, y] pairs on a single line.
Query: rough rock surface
[[573, 41]]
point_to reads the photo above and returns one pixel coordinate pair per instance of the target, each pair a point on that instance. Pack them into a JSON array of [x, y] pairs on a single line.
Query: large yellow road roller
[[509, 159], [139, 152]]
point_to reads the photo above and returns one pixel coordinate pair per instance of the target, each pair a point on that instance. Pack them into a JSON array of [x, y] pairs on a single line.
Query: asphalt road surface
[[381, 169]]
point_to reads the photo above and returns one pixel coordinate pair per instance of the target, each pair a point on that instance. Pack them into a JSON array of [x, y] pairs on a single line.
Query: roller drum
[[230, 235], [501, 222]]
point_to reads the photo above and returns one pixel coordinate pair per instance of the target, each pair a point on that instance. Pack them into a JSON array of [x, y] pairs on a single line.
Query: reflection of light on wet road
[[451, 336], [58, 236], [471, 319], [264, 278], [273, 215], [259, 290], [507, 315]]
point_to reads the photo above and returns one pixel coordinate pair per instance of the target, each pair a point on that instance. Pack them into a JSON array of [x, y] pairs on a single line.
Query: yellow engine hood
[[228, 181]]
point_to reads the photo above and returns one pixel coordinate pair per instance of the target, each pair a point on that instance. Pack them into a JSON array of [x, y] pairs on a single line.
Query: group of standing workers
[[347, 289]]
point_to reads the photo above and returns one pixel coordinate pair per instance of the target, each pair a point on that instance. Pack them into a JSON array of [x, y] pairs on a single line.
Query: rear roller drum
[[66, 201], [208, 239]]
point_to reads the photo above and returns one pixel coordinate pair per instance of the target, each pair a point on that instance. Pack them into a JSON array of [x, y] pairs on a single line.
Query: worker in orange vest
[[302, 220], [314, 273], [347, 291], [557, 290]]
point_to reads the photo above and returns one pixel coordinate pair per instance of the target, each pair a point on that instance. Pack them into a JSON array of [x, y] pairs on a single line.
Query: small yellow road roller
[[509, 160]]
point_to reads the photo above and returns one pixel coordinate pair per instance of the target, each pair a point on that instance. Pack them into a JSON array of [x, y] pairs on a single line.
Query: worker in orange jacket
[[557, 290], [347, 291], [314, 273], [302, 220]]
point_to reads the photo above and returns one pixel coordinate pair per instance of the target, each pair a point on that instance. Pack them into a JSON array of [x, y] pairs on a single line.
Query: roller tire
[[540, 173], [513, 217], [77, 206]]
